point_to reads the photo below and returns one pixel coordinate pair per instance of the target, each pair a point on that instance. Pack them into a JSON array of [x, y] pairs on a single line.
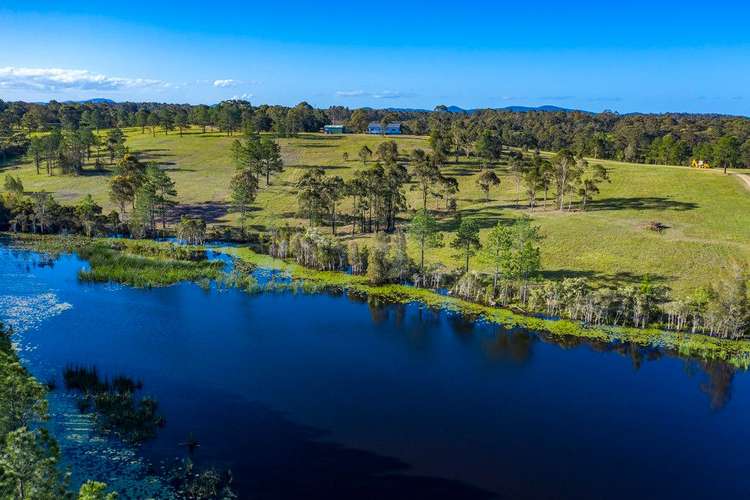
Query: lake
[[325, 396]]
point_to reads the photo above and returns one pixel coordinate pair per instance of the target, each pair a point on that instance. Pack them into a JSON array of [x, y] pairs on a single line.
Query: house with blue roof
[[376, 128]]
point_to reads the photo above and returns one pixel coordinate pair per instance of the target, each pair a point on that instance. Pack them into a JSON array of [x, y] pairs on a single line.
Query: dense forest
[[649, 138]]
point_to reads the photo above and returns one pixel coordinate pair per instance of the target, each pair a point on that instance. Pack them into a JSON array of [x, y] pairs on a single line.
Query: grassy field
[[707, 213]]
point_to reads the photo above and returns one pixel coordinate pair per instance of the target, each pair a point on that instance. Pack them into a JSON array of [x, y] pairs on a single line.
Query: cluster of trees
[[146, 190], [69, 150], [309, 248], [30, 466], [664, 138], [722, 310], [40, 213], [656, 138], [377, 190], [254, 157]]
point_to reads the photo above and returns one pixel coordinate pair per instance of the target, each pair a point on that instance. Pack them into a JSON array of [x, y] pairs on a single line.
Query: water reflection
[[514, 347], [329, 396]]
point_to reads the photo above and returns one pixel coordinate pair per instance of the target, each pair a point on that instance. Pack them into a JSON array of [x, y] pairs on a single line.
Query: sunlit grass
[[707, 213]]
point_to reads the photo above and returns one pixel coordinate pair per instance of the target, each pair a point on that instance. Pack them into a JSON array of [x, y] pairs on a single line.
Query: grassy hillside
[[707, 213]]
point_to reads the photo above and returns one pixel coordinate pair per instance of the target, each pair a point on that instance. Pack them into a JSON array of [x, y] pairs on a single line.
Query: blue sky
[[635, 56]]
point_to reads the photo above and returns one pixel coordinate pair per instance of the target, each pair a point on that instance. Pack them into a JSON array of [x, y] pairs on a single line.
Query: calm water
[[320, 396]]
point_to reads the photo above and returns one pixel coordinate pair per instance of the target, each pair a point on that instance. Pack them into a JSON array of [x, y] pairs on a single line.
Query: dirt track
[[746, 179]]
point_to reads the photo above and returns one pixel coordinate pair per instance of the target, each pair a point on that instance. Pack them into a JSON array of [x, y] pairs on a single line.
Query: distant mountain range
[[514, 109], [97, 100], [451, 109]]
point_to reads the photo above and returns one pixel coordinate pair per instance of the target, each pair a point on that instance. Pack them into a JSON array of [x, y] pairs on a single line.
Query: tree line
[[670, 138]]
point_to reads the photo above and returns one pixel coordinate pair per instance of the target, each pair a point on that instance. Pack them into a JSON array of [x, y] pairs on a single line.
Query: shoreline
[[734, 352]]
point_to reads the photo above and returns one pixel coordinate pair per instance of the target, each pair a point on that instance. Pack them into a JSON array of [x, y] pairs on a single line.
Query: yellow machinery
[[699, 164]]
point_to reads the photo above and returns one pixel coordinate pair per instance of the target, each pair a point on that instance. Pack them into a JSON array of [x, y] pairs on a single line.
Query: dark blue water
[[322, 396]]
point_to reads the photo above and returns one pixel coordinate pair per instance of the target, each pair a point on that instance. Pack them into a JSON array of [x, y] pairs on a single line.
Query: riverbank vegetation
[[139, 263], [700, 212], [736, 352], [476, 201]]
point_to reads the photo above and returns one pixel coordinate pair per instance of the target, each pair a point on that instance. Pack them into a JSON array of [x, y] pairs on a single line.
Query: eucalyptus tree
[[424, 229], [36, 151], [87, 211], [486, 180], [129, 176], [311, 195], [589, 185], [141, 119], [244, 189], [181, 120], [497, 252], [115, 144], [566, 172], [514, 254], [517, 169], [447, 190], [727, 152], [426, 174], [201, 116], [163, 188], [153, 122], [271, 160], [192, 230], [166, 120], [466, 240], [489, 146], [364, 154], [334, 190], [387, 152]]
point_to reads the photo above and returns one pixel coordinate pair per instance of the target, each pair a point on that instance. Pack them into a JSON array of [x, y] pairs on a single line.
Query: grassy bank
[[119, 261], [706, 212], [735, 352]]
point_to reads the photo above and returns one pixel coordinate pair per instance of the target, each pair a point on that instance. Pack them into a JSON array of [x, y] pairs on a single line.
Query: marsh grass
[[137, 263], [109, 265]]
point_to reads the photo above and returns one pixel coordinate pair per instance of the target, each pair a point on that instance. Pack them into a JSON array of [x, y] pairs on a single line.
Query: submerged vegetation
[[114, 404]]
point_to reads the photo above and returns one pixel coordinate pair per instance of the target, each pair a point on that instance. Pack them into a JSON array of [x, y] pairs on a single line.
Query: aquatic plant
[[115, 407], [188, 482]]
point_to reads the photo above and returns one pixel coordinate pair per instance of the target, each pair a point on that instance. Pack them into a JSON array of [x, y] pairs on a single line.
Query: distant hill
[[96, 100], [513, 109]]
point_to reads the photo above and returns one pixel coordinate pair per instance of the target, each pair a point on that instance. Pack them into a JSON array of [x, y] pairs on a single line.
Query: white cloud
[[385, 94], [225, 83], [58, 79], [243, 97], [350, 93]]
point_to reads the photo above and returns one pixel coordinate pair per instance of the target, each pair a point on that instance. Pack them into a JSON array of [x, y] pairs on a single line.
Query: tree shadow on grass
[[485, 218], [463, 171], [210, 211], [324, 167], [313, 137], [316, 145], [13, 164], [90, 172], [640, 203], [607, 279]]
